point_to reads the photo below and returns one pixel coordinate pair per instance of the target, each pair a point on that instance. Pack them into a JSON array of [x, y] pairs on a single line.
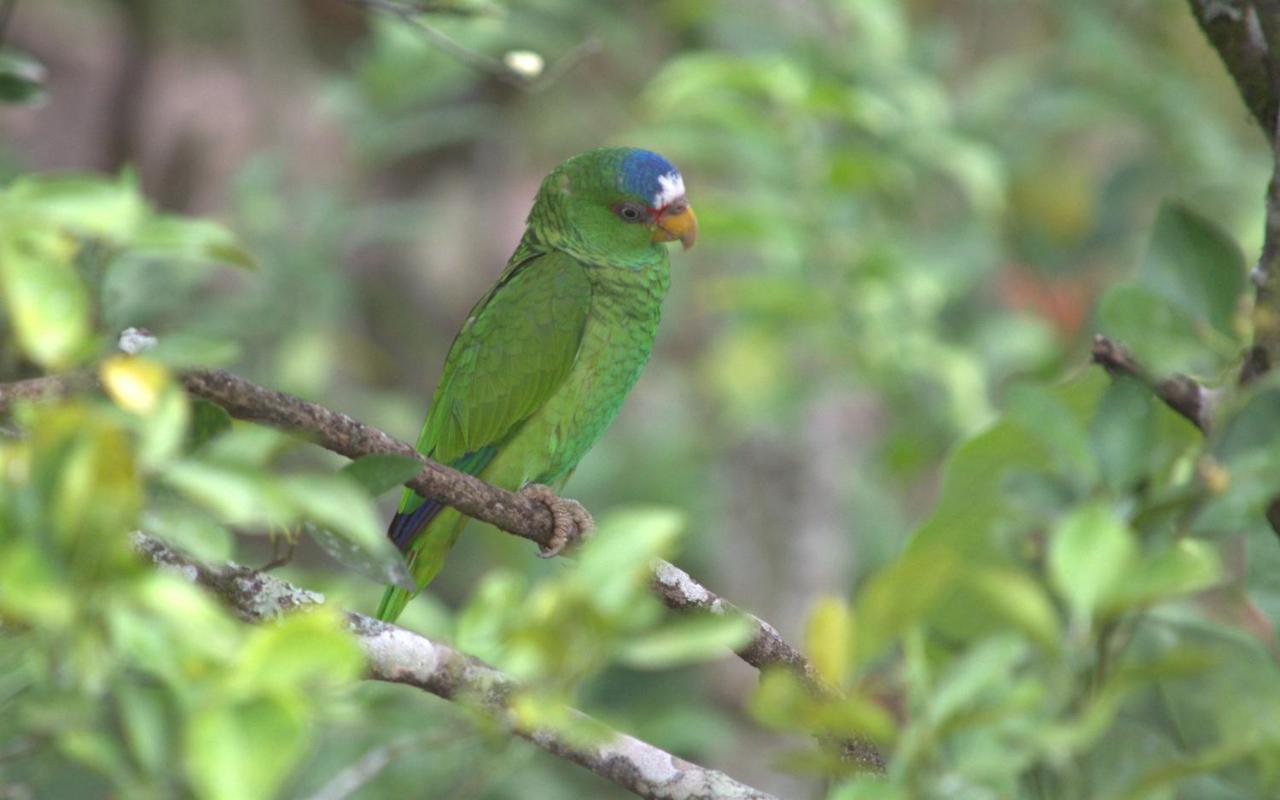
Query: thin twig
[[440, 9], [1246, 36], [1182, 394], [396, 655], [764, 650], [472, 58], [355, 776], [411, 14], [49, 387], [6, 14], [22, 747], [560, 67], [513, 513]]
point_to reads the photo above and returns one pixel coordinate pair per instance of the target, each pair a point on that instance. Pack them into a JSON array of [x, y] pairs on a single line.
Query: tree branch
[[1182, 394], [505, 510], [766, 648], [443, 9], [395, 655], [349, 437], [1246, 36], [411, 14], [1234, 30]]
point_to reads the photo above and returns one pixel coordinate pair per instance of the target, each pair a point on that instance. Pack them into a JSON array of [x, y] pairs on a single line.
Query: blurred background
[[906, 207]]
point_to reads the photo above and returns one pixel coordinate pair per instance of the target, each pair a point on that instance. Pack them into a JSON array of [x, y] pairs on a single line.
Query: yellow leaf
[[47, 303], [135, 384], [830, 639]]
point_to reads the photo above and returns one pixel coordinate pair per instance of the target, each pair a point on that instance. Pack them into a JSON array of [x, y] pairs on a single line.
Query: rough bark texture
[[1234, 30], [1179, 392], [766, 649], [1246, 36], [349, 437], [508, 511], [396, 655]]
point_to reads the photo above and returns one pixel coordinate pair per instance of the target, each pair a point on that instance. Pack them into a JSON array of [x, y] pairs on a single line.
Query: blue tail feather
[[404, 526]]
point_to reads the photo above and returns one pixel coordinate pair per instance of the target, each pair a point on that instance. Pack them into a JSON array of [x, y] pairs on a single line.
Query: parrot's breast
[[616, 342]]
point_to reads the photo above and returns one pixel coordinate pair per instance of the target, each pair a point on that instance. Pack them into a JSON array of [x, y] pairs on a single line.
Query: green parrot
[[543, 362]]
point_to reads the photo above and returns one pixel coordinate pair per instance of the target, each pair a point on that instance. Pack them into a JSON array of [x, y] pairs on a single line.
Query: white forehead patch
[[671, 187]]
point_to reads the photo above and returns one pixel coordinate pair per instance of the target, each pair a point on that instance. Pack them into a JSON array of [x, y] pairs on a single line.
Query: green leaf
[[1014, 597], [687, 641], [898, 597], [1262, 571], [854, 715], [1252, 428], [976, 503], [337, 503], [97, 751], [1090, 554], [1123, 433], [183, 349], [46, 301], [87, 205], [143, 718], [302, 651], [226, 744], [208, 421], [782, 702], [85, 463], [615, 561], [380, 564], [868, 787], [193, 239], [255, 445], [21, 78], [194, 623], [1191, 565], [30, 591], [1195, 265], [1163, 335], [347, 526], [380, 472], [977, 678], [1245, 462], [165, 429], [972, 500], [189, 528], [482, 624], [1045, 415], [146, 389], [237, 495]]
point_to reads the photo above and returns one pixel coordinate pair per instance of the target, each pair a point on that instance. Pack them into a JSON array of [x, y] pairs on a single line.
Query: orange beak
[[682, 225]]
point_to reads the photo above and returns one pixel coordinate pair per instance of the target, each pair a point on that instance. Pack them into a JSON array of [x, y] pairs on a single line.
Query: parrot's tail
[[425, 548], [394, 599]]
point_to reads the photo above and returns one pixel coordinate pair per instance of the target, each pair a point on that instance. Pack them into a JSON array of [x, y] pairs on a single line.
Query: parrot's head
[[614, 204]]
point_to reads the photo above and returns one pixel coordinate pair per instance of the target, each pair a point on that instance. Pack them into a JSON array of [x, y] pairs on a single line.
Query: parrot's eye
[[630, 212]]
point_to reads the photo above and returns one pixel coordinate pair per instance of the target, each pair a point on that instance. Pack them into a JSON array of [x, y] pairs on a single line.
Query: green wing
[[515, 348]]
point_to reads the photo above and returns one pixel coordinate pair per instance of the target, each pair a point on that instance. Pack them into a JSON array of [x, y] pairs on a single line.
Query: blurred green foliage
[[914, 214]]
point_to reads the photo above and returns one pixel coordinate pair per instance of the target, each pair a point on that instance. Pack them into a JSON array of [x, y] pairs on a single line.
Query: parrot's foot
[[280, 554], [573, 522]]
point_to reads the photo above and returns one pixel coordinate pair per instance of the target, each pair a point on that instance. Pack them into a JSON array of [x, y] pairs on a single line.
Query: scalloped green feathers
[[541, 366]]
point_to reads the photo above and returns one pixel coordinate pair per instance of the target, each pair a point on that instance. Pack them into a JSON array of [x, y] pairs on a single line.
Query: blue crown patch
[[642, 174]]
